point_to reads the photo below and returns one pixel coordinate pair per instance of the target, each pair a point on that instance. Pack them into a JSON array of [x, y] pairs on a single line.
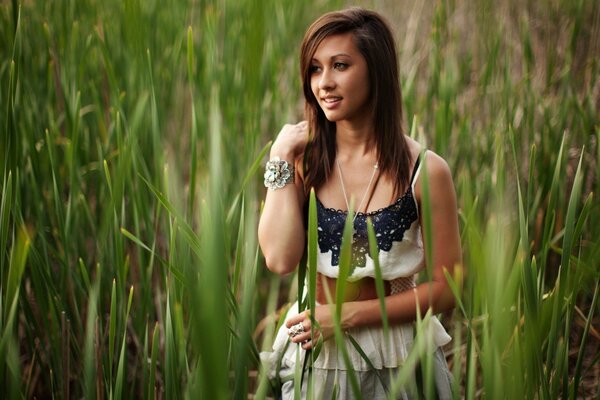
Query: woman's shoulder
[[437, 167], [436, 164], [439, 175]]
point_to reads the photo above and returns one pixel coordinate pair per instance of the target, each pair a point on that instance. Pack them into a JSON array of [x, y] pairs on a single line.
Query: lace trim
[[389, 224]]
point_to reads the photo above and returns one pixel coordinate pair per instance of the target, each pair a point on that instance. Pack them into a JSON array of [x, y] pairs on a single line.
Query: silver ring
[[295, 330]]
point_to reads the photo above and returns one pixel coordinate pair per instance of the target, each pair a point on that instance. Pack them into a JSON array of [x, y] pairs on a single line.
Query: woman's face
[[339, 80]]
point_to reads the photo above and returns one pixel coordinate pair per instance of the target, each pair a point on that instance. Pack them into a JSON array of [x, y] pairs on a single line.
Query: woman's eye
[[339, 65], [314, 68]]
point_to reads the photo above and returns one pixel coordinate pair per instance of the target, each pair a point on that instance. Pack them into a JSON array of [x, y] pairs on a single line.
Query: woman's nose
[[326, 81]]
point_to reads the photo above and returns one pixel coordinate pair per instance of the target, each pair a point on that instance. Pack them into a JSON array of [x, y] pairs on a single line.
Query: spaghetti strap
[[416, 169]]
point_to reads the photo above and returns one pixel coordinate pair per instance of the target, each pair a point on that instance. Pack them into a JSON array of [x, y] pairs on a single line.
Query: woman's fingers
[[291, 140], [294, 319], [299, 330], [305, 339]]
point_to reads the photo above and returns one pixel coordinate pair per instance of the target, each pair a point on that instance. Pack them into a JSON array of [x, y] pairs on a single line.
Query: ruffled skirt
[[385, 353]]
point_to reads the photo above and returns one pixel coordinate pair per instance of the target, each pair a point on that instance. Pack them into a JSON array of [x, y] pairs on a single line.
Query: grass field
[[132, 140]]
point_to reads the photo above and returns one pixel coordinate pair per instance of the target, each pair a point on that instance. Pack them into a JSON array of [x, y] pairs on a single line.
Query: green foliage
[[131, 139]]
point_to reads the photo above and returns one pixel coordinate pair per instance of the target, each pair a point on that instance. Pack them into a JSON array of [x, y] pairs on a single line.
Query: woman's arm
[[435, 294], [281, 232]]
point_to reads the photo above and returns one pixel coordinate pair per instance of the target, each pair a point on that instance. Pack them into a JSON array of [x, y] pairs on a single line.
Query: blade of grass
[[112, 328], [121, 366], [151, 390], [88, 347], [17, 262], [374, 252], [5, 207], [583, 342], [312, 281], [345, 270]]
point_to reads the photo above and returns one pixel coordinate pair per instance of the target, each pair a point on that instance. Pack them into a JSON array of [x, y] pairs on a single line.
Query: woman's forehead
[[336, 45]]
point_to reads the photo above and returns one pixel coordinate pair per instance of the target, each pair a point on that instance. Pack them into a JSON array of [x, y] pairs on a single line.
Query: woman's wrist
[[283, 154], [349, 315], [356, 313]]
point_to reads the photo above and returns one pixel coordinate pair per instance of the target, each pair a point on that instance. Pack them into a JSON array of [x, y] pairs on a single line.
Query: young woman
[[352, 149]]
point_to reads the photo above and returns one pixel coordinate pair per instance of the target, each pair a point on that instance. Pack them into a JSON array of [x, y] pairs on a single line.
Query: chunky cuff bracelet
[[278, 173]]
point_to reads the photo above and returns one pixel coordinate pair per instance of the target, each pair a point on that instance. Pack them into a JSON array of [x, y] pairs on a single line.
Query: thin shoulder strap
[[417, 169]]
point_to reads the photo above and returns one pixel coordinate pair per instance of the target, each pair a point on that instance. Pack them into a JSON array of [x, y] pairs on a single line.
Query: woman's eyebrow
[[334, 56], [341, 55]]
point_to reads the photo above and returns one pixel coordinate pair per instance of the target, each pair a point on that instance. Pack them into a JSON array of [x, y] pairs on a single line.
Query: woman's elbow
[[281, 265], [446, 300], [447, 304]]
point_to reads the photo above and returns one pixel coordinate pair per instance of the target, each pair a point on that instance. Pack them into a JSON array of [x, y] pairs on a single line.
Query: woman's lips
[[331, 102]]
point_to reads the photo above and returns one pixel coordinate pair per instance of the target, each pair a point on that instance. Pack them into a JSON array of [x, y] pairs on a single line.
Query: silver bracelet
[[278, 173]]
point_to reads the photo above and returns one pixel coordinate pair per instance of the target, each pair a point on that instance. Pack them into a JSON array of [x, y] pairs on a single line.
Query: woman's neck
[[352, 141]]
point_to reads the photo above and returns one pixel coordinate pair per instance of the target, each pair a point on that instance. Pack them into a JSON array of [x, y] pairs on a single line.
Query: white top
[[397, 231]]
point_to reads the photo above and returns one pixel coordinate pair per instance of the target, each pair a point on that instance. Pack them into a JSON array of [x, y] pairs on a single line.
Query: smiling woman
[[352, 147], [339, 80]]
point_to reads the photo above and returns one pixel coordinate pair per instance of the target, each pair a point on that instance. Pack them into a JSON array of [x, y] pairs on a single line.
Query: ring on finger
[[296, 329]]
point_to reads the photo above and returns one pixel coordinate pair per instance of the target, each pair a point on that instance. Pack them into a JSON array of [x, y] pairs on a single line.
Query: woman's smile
[[331, 102]]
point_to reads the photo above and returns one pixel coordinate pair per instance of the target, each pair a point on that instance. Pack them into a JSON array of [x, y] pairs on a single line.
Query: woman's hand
[[325, 325], [291, 141]]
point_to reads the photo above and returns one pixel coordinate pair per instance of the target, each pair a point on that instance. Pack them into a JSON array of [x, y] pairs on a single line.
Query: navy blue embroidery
[[389, 224]]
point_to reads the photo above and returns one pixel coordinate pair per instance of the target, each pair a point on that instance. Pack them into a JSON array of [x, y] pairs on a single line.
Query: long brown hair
[[373, 38]]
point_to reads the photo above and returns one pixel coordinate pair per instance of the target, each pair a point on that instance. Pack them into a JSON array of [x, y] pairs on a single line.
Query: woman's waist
[[398, 262], [360, 290]]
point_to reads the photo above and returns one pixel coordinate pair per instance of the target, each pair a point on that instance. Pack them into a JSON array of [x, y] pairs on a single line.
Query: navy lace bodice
[[389, 224]]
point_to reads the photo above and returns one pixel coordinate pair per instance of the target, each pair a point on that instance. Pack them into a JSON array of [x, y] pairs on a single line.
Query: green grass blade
[[17, 262], [249, 175], [345, 270], [5, 207], [121, 368], [425, 213], [89, 366], [570, 221], [112, 329], [153, 362], [374, 252], [312, 255], [367, 360], [345, 265], [8, 331], [188, 232], [583, 342]]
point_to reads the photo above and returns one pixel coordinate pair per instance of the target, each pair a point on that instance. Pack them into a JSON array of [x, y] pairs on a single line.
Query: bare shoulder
[[436, 166], [439, 177]]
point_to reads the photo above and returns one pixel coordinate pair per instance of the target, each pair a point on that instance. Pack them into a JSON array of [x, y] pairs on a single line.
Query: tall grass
[[132, 135]]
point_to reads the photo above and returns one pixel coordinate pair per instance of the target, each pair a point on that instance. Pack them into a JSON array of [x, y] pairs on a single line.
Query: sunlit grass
[[132, 136]]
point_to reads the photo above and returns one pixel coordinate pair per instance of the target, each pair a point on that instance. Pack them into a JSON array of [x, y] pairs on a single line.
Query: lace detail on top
[[389, 224]]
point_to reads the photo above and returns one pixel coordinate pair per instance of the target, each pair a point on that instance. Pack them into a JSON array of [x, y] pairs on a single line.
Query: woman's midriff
[[363, 289]]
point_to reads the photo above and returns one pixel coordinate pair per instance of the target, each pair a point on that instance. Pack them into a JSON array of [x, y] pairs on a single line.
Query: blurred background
[[133, 136]]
